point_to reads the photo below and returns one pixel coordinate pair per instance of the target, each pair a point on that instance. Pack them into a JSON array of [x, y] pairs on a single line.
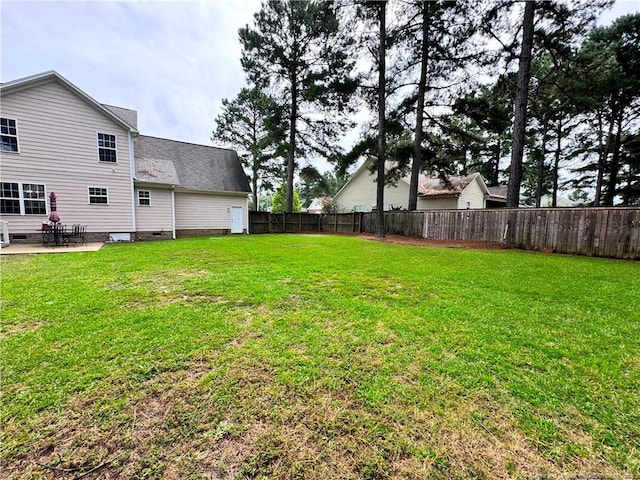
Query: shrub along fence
[[603, 232]]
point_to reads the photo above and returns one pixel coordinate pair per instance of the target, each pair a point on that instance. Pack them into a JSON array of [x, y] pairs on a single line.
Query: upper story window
[[144, 198], [9, 133], [98, 196], [107, 147], [22, 199]]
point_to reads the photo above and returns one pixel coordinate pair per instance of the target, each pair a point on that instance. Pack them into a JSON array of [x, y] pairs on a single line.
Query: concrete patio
[[24, 249]]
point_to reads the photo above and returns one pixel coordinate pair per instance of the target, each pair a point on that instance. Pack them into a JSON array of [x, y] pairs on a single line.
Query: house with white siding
[[434, 193], [122, 185]]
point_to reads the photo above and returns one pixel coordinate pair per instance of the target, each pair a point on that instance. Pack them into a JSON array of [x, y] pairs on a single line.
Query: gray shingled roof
[[196, 167], [155, 170], [126, 114], [499, 192]]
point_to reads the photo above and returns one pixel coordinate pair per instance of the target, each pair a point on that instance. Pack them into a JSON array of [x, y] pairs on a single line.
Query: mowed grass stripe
[[396, 361]]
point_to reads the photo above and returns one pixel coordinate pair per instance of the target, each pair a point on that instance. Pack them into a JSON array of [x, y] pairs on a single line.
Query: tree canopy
[[531, 94]]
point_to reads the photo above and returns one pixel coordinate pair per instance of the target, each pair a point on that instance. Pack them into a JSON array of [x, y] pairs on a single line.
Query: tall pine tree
[[296, 51], [252, 124]]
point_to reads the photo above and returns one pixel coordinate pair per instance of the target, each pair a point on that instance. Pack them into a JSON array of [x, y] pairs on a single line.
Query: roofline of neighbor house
[[44, 77]]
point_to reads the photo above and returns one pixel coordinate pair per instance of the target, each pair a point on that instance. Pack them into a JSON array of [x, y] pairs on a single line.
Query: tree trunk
[[604, 153], [543, 153], [556, 164], [520, 107], [382, 51], [254, 182], [254, 162], [417, 139], [495, 171], [291, 157], [615, 164], [291, 161], [601, 162]]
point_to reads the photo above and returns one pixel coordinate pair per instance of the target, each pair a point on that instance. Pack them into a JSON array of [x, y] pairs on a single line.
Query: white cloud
[[171, 61]]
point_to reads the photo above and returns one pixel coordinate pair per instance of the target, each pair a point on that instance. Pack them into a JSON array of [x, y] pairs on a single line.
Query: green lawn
[[317, 357]]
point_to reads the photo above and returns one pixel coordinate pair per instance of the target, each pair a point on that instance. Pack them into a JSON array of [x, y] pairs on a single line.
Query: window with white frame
[[22, 198], [144, 198], [107, 147], [9, 135], [358, 208], [98, 196]]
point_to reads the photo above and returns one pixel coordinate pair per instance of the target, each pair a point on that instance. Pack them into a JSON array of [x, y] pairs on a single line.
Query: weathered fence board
[[604, 232], [607, 232], [266, 222]]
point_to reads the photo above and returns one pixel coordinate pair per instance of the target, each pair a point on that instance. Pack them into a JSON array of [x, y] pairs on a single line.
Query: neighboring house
[[317, 204], [120, 184], [497, 197], [359, 193], [561, 201]]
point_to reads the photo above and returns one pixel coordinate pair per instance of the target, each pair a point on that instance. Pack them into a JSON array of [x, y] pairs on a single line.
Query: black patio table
[[55, 235]]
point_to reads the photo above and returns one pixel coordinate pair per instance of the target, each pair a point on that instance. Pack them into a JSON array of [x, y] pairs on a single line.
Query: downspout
[[248, 214], [173, 211], [132, 169]]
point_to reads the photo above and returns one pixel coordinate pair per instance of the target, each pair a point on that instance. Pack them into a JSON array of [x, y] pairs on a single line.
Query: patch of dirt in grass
[[166, 288], [238, 421], [481, 438], [8, 330]]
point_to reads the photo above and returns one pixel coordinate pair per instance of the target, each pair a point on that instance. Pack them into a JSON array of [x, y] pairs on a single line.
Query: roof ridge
[[187, 143]]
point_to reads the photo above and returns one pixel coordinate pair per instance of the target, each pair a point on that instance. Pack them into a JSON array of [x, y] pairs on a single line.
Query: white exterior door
[[236, 219]]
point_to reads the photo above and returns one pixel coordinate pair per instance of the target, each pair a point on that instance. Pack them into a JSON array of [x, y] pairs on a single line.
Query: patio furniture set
[[62, 235]]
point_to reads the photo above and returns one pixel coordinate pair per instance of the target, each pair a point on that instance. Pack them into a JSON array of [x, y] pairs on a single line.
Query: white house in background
[[468, 192], [317, 204], [120, 184]]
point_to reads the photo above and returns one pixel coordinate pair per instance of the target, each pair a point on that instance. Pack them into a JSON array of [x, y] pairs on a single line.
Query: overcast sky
[[173, 62]]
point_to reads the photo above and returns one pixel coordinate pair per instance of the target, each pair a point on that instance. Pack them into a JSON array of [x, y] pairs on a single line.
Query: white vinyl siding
[[361, 193], [207, 211], [472, 195], [438, 202], [156, 216], [57, 132]]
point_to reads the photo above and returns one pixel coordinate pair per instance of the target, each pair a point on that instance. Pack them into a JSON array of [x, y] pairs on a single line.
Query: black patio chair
[[77, 234]]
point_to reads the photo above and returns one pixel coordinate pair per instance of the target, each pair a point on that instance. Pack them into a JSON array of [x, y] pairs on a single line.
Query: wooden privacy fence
[[408, 224], [266, 222], [603, 232]]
